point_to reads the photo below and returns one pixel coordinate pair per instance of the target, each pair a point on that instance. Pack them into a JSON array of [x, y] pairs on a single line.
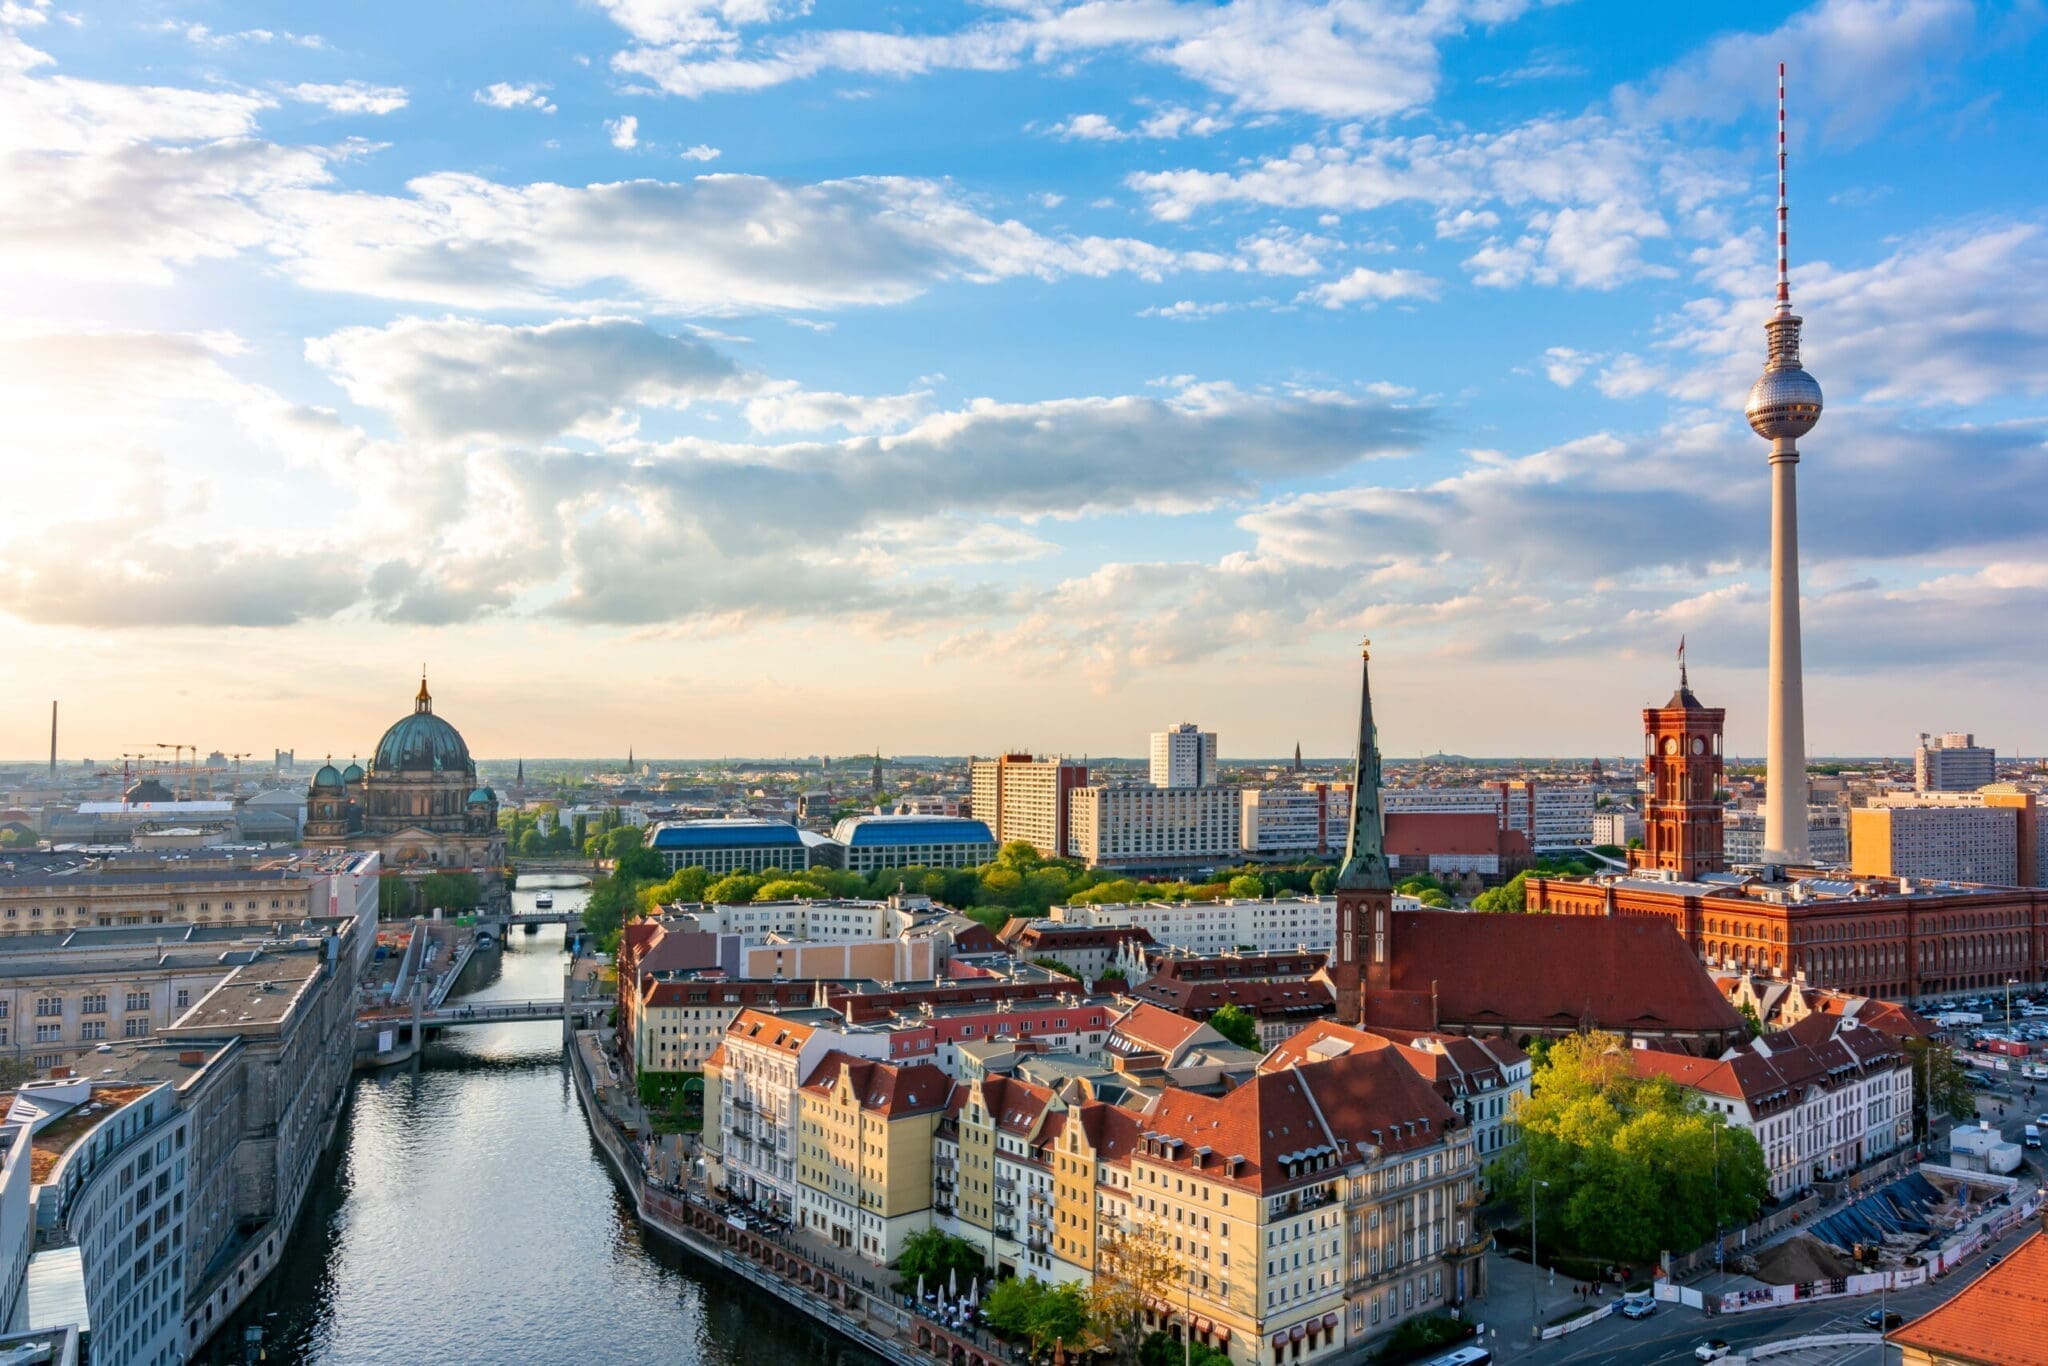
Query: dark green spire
[[1365, 856]]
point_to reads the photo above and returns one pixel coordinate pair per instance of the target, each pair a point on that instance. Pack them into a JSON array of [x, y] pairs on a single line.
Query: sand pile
[[1802, 1257]]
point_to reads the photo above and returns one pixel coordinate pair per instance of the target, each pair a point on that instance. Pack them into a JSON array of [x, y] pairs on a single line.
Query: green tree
[[1238, 1025], [1751, 1021], [936, 1255], [1939, 1076], [1026, 1307], [788, 889], [733, 889], [1627, 1166], [1018, 856], [1163, 1349], [579, 832], [1511, 897], [396, 898], [1055, 965], [532, 842], [454, 893], [1324, 882], [1246, 887], [1430, 896]]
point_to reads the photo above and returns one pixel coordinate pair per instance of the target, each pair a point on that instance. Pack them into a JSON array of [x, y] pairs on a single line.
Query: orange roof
[[887, 1089], [2000, 1320], [1154, 1030]]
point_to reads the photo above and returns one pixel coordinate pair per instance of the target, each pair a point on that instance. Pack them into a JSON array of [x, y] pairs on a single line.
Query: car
[[1638, 1309], [1993, 1260], [1883, 1320], [1713, 1349]]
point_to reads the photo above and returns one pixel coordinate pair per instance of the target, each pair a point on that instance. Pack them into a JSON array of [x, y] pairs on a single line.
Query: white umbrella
[[920, 1287], [953, 1281]]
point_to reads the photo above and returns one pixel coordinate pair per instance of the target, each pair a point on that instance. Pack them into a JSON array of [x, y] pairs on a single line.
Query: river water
[[464, 1216]]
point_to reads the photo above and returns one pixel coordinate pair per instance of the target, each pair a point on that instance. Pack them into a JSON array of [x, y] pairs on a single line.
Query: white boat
[[544, 901]]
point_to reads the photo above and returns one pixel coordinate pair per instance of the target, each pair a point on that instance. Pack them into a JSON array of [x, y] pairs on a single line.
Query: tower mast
[[1783, 406]]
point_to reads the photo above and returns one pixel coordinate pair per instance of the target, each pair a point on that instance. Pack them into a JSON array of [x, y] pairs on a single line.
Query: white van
[[2033, 1135]]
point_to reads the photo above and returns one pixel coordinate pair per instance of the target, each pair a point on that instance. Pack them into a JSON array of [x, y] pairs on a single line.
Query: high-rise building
[[1024, 797], [1295, 822], [1954, 762], [1953, 836], [1827, 837], [1682, 810], [1783, 406], [1184, 756], [1127, 826], [1551, 815]]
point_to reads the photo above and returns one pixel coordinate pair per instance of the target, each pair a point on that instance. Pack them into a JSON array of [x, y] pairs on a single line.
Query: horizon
[[741, 376]]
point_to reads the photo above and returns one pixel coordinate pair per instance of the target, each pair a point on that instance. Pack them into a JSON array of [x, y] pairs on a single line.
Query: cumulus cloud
[[1338, 60], [624, 131], [503, 95], [1368, 287], [350, 97], [701, 152], [788, 408], [451, 378]]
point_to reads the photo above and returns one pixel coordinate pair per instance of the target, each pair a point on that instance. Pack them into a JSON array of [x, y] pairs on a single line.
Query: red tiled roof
[[1767, 1082], [1155, 1030], [886, 1089], [1418, 834], [1016, 1105], [1111, 1130], [769, 1030], [1048, 937], [1200, 1000], [1241, 967], [1549, 971], [1318, 1116], [1999, 1320]]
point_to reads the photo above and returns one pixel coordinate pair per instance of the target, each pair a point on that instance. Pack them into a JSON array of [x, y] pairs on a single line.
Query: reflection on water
[[467, 1218]]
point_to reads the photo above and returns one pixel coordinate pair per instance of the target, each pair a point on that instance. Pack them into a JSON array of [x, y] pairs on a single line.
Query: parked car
[[1713, 1349], [1638, 1309], [1883, 1320], [1993, 1260]]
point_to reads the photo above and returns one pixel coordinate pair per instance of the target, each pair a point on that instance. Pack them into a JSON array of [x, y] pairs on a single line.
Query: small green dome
[[483, 796], [353, 773], [328, 776]]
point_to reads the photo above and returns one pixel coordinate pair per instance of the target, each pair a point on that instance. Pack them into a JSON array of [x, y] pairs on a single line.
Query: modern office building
[[1302, 821], [1550, 815], [1953, 762], [1022, 797], [746, 845], [1285, 924], [1827, 837], [1184, 756], [875, 842]]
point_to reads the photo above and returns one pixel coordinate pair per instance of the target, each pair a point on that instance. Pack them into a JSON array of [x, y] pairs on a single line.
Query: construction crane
[[179, 773], [238, 756]]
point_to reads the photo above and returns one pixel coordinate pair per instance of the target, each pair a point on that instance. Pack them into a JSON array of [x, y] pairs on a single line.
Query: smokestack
[[53, 739]]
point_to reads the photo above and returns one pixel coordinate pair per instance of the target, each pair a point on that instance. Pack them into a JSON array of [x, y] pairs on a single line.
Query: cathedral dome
[[328, 776], [353, 773], [483, 796], [421, 743]]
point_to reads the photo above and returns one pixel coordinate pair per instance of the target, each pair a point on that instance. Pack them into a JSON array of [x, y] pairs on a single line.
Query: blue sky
[[724, 376]]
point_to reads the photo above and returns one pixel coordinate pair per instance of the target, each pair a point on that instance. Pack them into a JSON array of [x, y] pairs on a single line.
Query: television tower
[[1783, 406]]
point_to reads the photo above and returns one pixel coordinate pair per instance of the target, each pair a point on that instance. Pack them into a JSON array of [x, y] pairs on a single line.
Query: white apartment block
[[824, 922], [1940, 836], [1295, 822], [1954, 762], [1140, 827], [1617, 825], [764, 1059], [1552, 815], [1827, 836], [1019, 797], [1818, 1111], [1208, 928], [1184, 756]]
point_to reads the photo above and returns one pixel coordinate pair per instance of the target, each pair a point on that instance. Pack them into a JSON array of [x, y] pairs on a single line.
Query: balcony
[[943, 1203], [944, 1183], [1037, 1245], [1005, 1183], [745, 1107]]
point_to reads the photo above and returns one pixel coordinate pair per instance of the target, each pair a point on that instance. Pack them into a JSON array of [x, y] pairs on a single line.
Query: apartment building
[[1024, 797], [1617, 825], [750, 1086], [674, 1020], [992, 1175], [1953, 762], [1479, 1077], [1550, 815], [1184, 756], [1819, 1110], [864, 1152], [1958, 837], [1128, 826], [1827, 836], [1304, 821], [1089, 950], [55, 893], [1273, 925], [1281, 1009]]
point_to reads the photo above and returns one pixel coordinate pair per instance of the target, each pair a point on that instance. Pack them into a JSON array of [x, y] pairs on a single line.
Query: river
[[464, 1216]]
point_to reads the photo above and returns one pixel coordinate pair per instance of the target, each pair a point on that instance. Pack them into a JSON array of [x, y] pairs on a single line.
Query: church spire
[[423, 701], [1365, 859]]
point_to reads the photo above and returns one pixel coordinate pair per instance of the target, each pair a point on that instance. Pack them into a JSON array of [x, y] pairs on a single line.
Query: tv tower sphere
[[1783, 403]]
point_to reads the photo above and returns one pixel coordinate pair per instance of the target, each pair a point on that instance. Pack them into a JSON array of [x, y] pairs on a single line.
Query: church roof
[[422, 743]]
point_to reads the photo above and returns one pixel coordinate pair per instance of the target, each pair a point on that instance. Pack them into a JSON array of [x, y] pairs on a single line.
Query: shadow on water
[[465, 1216]]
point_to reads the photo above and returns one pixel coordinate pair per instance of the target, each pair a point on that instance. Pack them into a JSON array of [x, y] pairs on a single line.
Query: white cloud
[[453, 378], [1340, 59], [788, 408], [201, 36], [1369, 287], [1185, 310], [501, 95], [625, 132], [1089, 128], [700, 152], [350, 97], [1562, 365]]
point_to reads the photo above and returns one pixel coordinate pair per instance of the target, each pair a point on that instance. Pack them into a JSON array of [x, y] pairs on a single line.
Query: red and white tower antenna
[[1784, 271]]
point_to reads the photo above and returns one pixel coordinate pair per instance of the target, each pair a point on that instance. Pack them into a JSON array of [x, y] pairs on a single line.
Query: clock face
[[1699, 744], [1671, 744]]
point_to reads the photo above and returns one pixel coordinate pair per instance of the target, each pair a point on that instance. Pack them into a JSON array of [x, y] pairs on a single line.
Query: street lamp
[[2010, 983], [1535, 1270]]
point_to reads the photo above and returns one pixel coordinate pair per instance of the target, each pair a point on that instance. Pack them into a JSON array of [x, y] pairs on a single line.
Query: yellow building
[[864, 1152], [1091, 1173], [993, 1173]]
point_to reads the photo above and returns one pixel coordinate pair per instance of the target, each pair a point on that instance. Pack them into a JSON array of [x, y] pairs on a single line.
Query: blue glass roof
[[724, 835], [877, 830]]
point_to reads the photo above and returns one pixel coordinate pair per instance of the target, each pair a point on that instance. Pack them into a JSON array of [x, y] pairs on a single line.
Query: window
[[49, 1033], [93, 1029], [49, 1005], [94, 1003], [134, 1029], [138, 1000]]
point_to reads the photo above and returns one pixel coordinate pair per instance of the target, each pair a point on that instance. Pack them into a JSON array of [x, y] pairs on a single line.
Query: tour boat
[[545, 901]]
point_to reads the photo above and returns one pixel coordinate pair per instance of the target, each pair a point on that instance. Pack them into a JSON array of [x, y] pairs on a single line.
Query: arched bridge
[[562, 867]]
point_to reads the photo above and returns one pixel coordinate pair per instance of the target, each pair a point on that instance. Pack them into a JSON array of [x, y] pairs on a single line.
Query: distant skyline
[[751, 376]]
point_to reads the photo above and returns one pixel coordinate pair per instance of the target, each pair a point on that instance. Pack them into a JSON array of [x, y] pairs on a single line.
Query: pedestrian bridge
[[506, 1012]]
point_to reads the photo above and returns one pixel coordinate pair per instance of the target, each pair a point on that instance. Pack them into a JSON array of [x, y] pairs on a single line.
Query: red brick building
[[1898, 939], [1682, 760]]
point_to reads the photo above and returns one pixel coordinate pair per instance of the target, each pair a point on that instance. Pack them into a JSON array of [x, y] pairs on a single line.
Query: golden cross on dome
[[1365, 648]]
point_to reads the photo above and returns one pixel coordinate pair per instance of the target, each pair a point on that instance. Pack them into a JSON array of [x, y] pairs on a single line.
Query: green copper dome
[[328, 776], [353, 773], [422, 743]]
